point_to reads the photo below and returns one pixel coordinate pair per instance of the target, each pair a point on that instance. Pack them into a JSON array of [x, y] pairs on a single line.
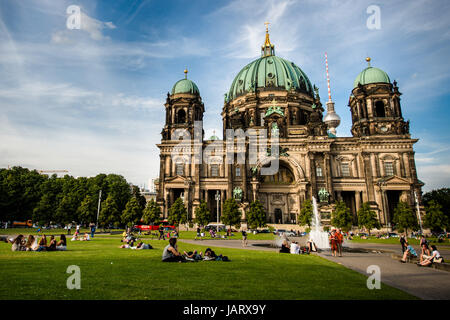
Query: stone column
[[368, 158], [327, 172], [406, 164], [312, 174], [357, 204]]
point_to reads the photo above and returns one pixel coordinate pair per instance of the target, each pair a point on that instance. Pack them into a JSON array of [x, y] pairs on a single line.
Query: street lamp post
[[98, 207], [418, 211], [218, 199]]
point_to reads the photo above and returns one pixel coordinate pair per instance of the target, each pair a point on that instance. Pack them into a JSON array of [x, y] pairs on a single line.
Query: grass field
[[108, 272], [411, 241]]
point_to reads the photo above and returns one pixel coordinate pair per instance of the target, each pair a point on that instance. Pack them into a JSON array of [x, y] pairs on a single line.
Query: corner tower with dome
[[375, 165]]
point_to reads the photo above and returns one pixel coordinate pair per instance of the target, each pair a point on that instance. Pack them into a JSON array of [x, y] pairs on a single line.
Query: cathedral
[[375, 165]]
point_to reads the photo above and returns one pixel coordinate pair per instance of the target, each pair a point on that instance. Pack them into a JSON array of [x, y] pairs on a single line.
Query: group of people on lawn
[[129, 241], [427, 257], [171, 254], [21, 243]]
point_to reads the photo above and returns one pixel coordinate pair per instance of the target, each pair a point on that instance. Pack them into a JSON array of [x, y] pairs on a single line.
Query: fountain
[[317, 235]]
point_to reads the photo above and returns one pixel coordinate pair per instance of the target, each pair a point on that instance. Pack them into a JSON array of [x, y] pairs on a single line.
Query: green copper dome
[[371, 75], [185, 86], [269, 71]]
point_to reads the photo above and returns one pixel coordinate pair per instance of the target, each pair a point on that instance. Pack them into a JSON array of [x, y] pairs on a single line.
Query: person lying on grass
[[193, 256], [140, 246]]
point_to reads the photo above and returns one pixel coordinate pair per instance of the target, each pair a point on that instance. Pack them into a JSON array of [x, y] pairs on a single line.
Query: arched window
[[181, 116], [283, 176], [379, 109]]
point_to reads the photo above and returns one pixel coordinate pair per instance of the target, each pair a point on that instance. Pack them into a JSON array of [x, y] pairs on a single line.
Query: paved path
[[425, 283]]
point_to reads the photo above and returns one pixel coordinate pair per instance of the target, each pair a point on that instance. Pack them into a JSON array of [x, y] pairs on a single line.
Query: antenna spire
[[328, 77], [332, 119]]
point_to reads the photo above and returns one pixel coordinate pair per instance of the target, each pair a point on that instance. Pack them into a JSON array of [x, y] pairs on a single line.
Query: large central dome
[[269, 72]]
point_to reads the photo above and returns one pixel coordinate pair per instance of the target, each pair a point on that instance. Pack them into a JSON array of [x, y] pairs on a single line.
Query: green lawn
[[411, 241], [108, 272]]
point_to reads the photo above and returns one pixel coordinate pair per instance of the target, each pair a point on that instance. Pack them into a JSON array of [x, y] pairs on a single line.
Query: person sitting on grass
[[311, 246], [212, 233], [434, 258], [170, 253], [17, 243], [285, 248], [52, 245], [295, 248], [85, 237], [42, 243], [31, 242], [62, 243], [409, 252]]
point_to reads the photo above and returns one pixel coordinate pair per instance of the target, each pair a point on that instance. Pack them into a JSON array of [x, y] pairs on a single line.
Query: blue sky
[[91, 100]]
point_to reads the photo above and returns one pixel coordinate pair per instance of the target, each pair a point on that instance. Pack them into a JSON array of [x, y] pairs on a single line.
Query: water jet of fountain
[[317, 235]]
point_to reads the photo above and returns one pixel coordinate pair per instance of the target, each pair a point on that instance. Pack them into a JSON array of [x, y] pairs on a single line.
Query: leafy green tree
[[342, 217], [20, 192], [306, 214], [151, 213], [256, 215], [434, 218], [367, 218], [109, 213], [405, 218], [87, 210], [42, 214], [202, 214], [177, 213], [139, 197], [441, 197], [132, 213], [231, 215]]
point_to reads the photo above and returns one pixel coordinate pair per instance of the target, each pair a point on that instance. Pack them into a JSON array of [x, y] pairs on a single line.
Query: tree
[[231, 215], [306, 213], [87, 210], [177, 213], [256, 215], [405, 218], [151, 213], [132, 213], [435, 219], [109, 213], [202, 214], [139, 197], [341, 217], [441, 197], [367, 218]]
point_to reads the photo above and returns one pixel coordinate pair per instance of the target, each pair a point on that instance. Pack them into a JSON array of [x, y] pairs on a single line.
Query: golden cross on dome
[[185, 73], [267, 26]]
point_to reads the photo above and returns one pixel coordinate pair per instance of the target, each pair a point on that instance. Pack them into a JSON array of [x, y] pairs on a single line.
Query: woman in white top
[[295, 249], [435, 257]]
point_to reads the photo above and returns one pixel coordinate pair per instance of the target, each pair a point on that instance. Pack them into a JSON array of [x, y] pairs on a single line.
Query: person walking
[[69, 227], [244, 238], [333, 243], [340, 241], [161, 233], [404, 243], [93, 228]]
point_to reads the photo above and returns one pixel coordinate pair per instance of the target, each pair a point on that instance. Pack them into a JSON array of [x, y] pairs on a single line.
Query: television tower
[[331, 119]]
